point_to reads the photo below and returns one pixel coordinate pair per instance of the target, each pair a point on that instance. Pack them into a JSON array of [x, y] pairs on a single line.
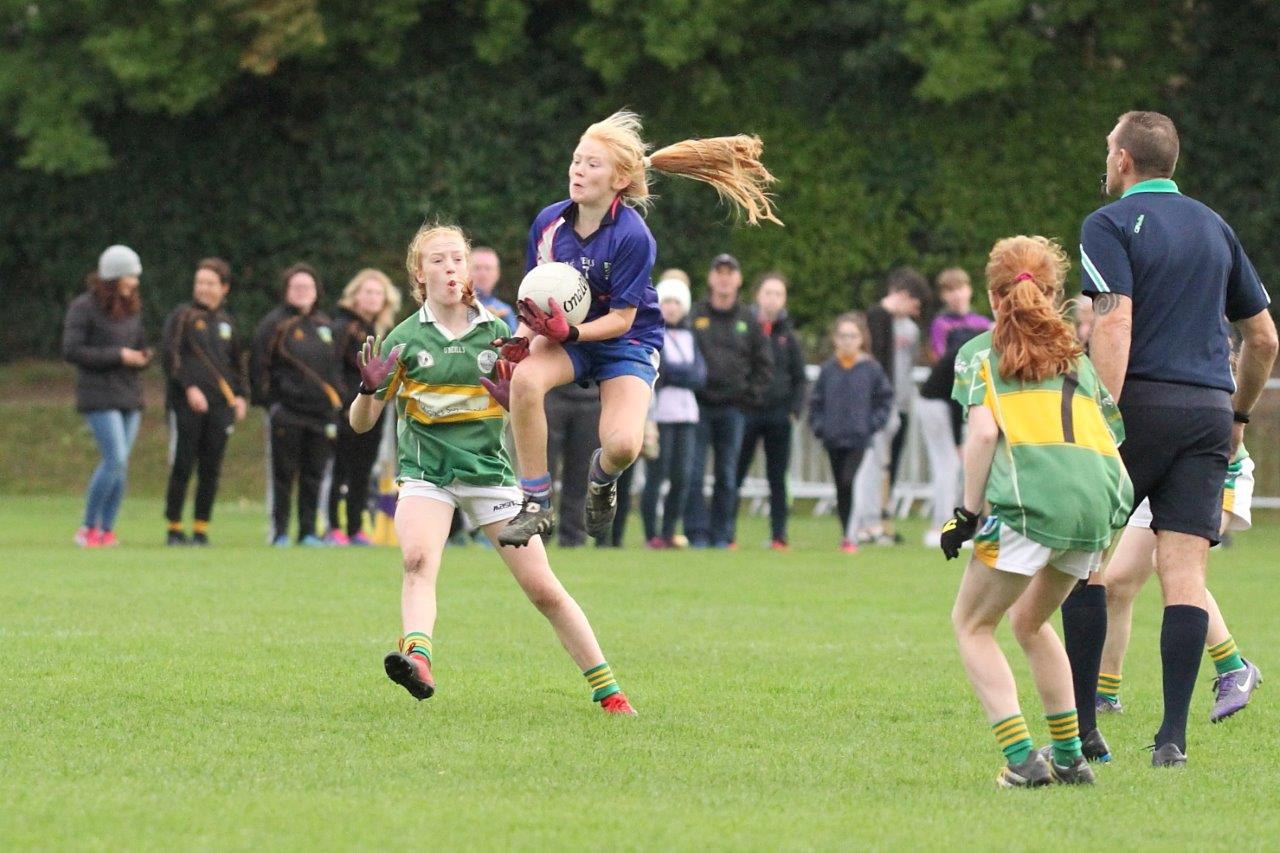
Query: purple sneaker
[[1103, 705], [1234, 690]]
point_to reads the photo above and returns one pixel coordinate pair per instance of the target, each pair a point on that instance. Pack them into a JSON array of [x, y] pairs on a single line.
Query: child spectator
[[852, 400]]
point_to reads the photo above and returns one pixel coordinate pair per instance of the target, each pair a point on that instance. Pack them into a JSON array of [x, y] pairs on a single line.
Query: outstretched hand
[[553, 324], [500, 390], [374, 369]]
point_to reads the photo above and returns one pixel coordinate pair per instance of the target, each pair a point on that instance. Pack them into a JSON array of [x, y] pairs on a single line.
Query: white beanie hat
[[117, 262], [675, 289]]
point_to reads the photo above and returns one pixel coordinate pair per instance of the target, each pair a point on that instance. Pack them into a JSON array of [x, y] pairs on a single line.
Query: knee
[[416, 562], [528, 386], [967, 624], [622, 449], [548, 599], [1025, 627]]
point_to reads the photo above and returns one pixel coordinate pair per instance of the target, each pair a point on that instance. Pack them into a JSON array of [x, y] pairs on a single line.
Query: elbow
[[1265, 341]]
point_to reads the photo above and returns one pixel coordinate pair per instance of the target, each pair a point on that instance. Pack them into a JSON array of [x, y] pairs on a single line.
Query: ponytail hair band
[[1023, 276]]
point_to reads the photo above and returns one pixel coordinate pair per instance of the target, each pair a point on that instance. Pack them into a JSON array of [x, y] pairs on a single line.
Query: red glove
[[514, 350], [554, 325], [500, 390], [374, 367]]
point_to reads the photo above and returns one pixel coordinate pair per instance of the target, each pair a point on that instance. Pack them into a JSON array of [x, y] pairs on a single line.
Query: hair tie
[[1023, 276], [646, 161]]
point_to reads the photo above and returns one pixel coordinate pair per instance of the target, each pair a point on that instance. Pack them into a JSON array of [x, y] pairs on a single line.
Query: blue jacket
[[848, 407]]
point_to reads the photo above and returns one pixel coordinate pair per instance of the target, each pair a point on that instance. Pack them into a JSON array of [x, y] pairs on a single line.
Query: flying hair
[[730, 164], [413, 261], [1032, 335]]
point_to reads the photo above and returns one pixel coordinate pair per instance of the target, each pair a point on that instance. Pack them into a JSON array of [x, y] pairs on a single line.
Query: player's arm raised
[[375, 371]]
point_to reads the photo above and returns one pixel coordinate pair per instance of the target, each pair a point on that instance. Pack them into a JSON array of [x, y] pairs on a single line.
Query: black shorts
[[1177, 444]]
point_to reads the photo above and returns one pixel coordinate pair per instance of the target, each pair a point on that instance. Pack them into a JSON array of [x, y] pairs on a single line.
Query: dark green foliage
[[902, 131]]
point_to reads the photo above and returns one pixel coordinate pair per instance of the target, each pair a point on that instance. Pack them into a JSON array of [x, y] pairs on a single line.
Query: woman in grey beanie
[[102, 336]]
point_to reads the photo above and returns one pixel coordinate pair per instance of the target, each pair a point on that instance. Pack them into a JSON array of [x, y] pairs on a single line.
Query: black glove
[[959, 529]]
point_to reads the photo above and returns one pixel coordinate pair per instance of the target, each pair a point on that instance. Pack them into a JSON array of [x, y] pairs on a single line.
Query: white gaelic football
[[561, 281]]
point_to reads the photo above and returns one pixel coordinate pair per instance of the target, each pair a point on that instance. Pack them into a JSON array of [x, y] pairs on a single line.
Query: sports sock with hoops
[[416, 643], [1064, 728], [1109, 687], [200, 525], [602, 682], [537, 489], [175, 527], [1226, 656], [1014, 739], [599, 476], [1084, 631], [1181, 641]]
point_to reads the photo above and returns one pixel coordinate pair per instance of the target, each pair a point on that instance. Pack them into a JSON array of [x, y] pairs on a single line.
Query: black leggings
[[298, 452], [353, 456], [199, 443], [844, 467]]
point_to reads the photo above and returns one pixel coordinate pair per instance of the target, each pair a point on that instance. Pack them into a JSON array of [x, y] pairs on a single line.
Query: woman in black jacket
[[294, 374], [102, 336], [769, 420], [369, 305], [205, 395]]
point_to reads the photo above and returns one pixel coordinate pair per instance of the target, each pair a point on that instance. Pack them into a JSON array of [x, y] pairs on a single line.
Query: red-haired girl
[[1042, 454]]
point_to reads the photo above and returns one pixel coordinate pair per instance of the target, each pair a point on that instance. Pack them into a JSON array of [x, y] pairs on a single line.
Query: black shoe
[[1167, 755], [1077, 772], [602, 506], [1094, 747], [177, 538], [200, 540], [1032, 773], [534, 520]]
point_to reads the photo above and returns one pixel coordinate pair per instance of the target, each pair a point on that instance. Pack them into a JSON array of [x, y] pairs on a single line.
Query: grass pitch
[[234, 698]]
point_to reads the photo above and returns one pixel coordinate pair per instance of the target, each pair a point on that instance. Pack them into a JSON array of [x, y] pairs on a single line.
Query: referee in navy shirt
[[1167, 275]]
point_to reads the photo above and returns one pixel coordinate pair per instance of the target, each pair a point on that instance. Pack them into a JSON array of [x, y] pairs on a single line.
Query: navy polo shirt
[[617, 260], [1187, 275]]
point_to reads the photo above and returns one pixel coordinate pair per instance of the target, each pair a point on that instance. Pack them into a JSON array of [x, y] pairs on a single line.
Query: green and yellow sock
[[1226, 656], [416, 643], [1014, 739], [175, 527], [1109, 687], [1064, 728], [602, 682], [200, 525]]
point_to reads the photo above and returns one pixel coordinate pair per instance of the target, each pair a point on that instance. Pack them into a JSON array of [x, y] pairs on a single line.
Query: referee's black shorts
[[1177, 445]]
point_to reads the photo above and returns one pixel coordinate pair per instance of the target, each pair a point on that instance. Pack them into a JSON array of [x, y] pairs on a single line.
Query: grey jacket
[[92, 342]]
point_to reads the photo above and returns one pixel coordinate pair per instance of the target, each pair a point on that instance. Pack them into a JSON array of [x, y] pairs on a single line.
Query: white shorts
[[1237, 503], [480, 504], [999, 547]]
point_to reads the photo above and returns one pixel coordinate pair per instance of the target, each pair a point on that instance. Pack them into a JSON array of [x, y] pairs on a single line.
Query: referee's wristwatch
[[1240, 417]]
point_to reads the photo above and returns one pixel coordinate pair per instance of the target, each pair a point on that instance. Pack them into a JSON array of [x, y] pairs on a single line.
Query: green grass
[[234, 698]]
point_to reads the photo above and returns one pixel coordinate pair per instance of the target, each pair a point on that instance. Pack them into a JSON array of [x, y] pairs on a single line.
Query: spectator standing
[[769, 422], [1167, 275], [852, 400], [204, 394], [369, 307], [486, 269], [895, 345], [294, 373], [573, 421], [739, 365], [102, 336], [940, 417], [675, 411]]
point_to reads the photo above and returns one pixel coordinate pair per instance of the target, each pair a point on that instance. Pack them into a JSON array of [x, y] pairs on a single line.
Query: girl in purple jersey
[[598, 231]]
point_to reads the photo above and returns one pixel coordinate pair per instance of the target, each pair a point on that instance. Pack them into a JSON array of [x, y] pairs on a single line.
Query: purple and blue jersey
[[944, 324], [617, 260]]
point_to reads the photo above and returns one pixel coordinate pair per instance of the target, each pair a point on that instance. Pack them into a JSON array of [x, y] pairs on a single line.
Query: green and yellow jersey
[[1057, 477], [449, 428]]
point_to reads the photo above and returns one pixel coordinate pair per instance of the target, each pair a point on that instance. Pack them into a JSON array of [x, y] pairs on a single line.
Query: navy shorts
[[600, 361], [1176, 447]]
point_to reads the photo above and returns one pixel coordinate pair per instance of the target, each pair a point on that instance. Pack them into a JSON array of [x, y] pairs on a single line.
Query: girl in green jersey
[[1041, 451], [451, 456]]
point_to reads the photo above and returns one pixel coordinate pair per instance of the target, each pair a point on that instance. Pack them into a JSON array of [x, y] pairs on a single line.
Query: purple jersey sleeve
[[632, 270]]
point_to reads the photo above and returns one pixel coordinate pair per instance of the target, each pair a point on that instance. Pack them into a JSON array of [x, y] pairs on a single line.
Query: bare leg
[[422, 526], [624, 404], [532, 570], [1130, 567], [1218, 632], [547, 367], [1181, 560], [1029, 618], [985, 596]]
